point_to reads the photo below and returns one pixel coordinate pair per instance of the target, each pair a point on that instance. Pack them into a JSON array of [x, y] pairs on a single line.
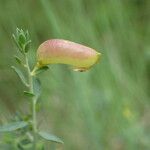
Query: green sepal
[[50, 137], [29, 94], [13, 126], [20, 75], [40, 70]]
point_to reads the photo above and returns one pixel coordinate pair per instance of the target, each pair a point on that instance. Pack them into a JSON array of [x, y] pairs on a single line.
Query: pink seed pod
[[57, 51]]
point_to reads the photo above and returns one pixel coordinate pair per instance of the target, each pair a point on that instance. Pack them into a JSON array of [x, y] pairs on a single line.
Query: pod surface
[[58, 51]]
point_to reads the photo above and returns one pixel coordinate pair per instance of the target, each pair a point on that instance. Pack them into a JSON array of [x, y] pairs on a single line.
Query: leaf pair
[[21, 124], [36, 81]]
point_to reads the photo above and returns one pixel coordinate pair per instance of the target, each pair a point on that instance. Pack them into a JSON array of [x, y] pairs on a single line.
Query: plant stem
[[34, 122]]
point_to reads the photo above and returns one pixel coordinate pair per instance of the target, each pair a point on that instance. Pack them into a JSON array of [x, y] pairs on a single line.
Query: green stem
[[34, 122]]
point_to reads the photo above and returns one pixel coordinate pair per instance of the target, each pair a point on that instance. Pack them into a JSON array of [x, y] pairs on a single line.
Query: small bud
[[22, 40], [57, 51]]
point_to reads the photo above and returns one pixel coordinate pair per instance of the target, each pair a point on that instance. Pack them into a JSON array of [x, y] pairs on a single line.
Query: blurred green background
[[106, 108]]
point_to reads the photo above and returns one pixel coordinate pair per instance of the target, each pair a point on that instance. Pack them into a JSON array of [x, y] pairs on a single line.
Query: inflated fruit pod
[[58, 51]]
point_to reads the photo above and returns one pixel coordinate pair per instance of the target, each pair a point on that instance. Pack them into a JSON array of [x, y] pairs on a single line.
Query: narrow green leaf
[[50, 137], [16, 42], [21, 45], [22, 38], [24, 143], [20, 74], [18, 60], [17, 32], [15, 39], [41, 69], [27, 46], [36, 87], [29, 94], [27, 35], [13, 126]]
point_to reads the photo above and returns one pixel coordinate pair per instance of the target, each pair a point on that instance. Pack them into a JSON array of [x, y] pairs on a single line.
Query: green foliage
[[22, 40], [28, 94], [40, 70], [18, 60], [28, 136], [13, 126], [36, 87], [20, 75], [104, 108], [50, 137]]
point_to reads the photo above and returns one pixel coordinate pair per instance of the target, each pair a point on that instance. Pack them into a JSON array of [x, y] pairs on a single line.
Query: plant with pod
[[55, 51]]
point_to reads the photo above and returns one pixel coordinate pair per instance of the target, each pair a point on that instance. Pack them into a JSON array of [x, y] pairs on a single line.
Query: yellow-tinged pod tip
[[58, 51]]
